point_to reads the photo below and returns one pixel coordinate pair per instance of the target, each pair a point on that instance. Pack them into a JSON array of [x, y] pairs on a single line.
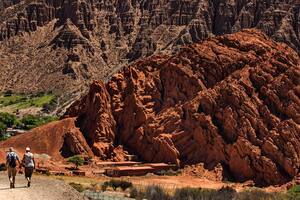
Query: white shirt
[[28, 160]]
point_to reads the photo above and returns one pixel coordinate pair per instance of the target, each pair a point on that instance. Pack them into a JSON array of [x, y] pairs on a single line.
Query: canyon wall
[[84, 40]]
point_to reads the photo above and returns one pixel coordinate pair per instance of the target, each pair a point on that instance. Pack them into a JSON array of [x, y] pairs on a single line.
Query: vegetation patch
[[226, 193], [169, 172], [28, 122], [114, 184], [77, 160], [21, 101], [294, 192], [77, 186]]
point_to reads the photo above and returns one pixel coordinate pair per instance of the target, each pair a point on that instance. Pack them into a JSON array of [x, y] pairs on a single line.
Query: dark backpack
[[12, 162]]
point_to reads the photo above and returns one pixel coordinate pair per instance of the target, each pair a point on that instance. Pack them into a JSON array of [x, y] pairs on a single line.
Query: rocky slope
[[231, 100], [57, 139], [60, 45]]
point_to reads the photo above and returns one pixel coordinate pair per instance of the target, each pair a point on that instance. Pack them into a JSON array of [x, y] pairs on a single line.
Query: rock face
[[106, 34], [231, 100], [96, 121], [57, 139]]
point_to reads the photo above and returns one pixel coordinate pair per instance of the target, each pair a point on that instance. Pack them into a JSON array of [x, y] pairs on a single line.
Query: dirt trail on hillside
[[42, 188]]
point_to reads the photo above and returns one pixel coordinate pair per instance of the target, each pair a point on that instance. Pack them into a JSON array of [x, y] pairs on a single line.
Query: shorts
[[12, 171], [28, 172]]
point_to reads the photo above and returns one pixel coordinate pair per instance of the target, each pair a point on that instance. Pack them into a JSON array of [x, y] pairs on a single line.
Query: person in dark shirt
[[11, 162]]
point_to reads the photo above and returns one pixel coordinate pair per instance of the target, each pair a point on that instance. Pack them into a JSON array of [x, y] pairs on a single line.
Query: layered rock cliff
[[39, 37], [231, 100]]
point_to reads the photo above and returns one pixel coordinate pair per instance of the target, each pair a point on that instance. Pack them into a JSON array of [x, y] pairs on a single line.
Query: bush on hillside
[[3, 128], [8, 119], [31, 121], [48, 107], [77, 160]]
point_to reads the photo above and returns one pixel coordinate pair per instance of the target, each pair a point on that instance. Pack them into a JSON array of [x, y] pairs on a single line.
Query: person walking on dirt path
[[29, 165], [11, 163]]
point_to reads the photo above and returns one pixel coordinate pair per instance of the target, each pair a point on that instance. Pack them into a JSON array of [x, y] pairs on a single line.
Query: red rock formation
[[57, 139], [106, 34], [230, 100], [96, 121]]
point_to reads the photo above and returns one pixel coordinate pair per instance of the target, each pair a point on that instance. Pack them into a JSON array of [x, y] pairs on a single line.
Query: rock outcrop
[[96, 121], [231, 100], [58, 140]]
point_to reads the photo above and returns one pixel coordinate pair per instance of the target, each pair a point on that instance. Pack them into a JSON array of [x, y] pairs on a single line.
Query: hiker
[[11, 162], [29, 165]]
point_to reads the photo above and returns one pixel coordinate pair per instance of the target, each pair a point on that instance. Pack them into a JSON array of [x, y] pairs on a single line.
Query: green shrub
[[187, 193], [31, 121], [295, 189], [205, 194], [48, 173], [77, 186], [77, 160], [3, 135], [227, 193], [8, 100], [50, 106], [114, 184], [3, 128], [294, 192], [8, 119], [259, 195]]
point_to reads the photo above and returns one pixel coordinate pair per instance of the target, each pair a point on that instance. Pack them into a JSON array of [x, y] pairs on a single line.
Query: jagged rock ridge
[[105, 34], [230, 100]]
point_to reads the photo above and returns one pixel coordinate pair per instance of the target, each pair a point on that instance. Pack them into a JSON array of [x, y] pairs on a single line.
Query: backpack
[[28, 160], [12, 161]]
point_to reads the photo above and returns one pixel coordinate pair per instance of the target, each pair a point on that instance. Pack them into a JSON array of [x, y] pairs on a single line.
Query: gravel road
[[43, 188]]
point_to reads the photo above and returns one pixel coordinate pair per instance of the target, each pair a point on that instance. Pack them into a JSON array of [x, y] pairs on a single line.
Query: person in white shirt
[[29, 165]]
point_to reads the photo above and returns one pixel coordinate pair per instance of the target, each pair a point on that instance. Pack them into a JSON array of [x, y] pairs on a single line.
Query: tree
[[3, 128], [8, 119], [77, 160]]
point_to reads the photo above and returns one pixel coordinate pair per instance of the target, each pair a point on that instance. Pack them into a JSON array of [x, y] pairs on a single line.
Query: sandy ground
[[42, 188], [168, 182]]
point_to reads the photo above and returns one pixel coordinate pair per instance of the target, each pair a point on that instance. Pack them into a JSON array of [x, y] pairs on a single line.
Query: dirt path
[[42, 188]]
